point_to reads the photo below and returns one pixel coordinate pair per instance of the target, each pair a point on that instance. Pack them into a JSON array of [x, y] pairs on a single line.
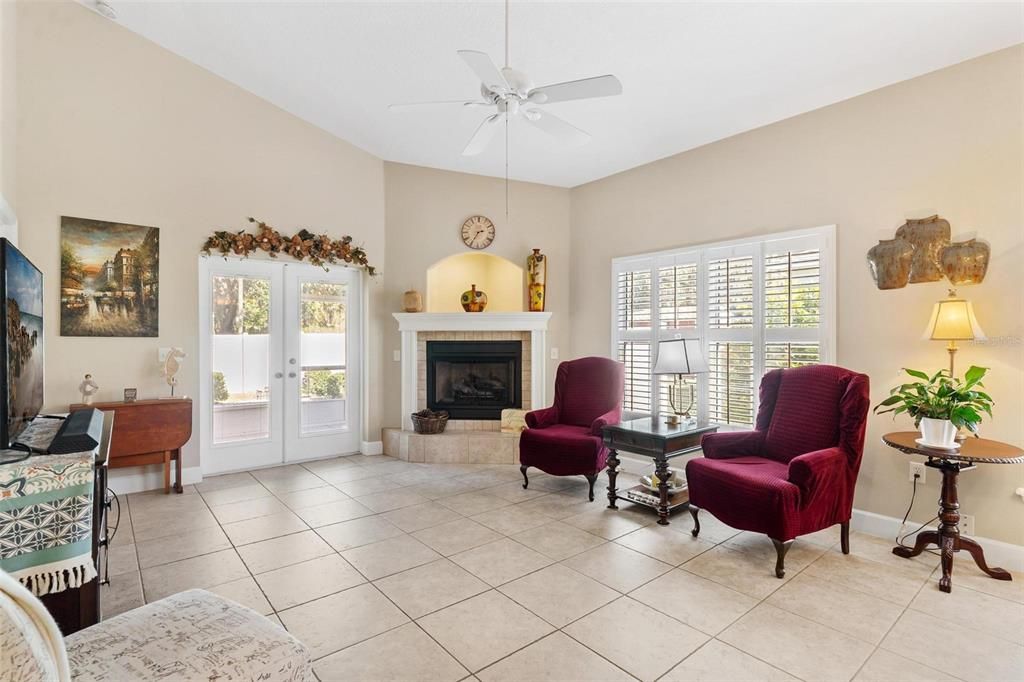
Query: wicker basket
[[428, 422]]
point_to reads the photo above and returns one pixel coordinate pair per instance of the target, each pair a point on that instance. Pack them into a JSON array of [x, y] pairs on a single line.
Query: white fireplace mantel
[[409, 324]]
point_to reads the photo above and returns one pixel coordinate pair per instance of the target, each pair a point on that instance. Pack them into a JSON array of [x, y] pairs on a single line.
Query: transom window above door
[[755, 305]]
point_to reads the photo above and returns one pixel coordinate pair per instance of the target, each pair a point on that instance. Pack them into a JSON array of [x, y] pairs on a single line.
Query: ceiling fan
[[511, 93]]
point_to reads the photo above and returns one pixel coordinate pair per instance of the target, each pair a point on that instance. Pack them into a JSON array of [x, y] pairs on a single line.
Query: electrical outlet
[[917, 470], [967, 524]]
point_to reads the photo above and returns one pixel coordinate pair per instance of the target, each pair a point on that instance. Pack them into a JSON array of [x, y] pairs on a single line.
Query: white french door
[[322, 315], [280, 354]]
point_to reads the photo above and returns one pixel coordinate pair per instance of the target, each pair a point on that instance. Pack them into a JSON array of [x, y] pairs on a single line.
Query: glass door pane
[[240, 358], [322, 356]]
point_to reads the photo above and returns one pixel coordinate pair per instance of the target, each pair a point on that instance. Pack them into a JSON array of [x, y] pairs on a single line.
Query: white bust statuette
[[88, 389]]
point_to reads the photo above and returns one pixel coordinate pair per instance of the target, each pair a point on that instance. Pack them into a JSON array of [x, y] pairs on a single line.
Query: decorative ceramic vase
[[474, 301], [928, 236], [939, 432], [537, 274], [890, 261], [412, 302], [965, 262]]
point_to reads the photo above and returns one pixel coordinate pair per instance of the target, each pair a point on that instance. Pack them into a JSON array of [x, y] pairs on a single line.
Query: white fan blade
[[598, 86], [410, 105], [557, 127], [483, 135], [486, 71]]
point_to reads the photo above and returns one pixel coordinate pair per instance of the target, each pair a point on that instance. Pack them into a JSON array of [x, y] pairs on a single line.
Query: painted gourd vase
[[890, 262], [474, 301], [928, 236], [537, 274], [965, 262]]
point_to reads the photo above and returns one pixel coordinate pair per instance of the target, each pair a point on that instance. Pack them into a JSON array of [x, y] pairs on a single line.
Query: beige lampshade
[[680, 356], [953, 320]]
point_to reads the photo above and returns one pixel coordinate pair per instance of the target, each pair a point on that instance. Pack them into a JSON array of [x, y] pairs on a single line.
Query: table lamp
[[680, 357], [953, 320]]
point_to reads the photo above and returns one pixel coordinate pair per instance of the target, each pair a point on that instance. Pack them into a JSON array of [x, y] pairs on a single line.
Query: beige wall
[[949, 142], [8, 103], [425, 212], [113, 127]]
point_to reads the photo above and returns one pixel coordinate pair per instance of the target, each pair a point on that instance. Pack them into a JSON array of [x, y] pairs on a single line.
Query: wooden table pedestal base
[[947, 538]]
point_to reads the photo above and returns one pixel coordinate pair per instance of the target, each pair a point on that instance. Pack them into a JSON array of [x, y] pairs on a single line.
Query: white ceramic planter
[[940, 432]]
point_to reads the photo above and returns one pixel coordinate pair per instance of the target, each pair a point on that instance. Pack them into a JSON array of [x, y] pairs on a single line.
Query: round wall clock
[[478, 232]]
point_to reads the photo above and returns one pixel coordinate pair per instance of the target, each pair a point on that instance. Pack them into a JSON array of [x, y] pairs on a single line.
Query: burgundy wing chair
[[795, 473], [565, 439]]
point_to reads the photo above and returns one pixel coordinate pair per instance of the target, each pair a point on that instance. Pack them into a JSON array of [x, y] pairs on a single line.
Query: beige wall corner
[[113, 127], [425, 211], [948, 142]]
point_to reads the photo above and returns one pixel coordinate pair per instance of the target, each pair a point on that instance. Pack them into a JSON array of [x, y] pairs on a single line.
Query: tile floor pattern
[[391, 570]]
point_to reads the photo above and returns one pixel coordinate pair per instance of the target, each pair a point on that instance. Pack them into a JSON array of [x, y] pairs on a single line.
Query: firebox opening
[[474, 379]]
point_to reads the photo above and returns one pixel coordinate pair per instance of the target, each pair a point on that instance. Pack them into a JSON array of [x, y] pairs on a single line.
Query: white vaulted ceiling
[[692, 73]]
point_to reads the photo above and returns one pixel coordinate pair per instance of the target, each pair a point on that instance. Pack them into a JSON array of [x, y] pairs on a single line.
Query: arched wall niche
[[501, 279]]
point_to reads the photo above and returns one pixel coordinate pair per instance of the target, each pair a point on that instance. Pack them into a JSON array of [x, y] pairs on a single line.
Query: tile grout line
[[551, 520]]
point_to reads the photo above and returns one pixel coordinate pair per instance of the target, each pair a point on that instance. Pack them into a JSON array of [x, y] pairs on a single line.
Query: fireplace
[[474, 379]]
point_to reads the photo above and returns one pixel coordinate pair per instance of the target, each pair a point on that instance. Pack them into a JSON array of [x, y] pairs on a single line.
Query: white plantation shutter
[[636, 356], [792, 302], [632, 323], [756, 305], [732, 320]]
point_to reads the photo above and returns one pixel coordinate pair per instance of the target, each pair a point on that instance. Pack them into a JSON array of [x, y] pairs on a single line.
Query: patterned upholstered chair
[[193, 635], [795, 473], [565, 439]]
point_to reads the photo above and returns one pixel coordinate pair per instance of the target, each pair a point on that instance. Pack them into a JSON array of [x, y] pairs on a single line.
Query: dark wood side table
[[149, 432], [972, 451], [656, 440]]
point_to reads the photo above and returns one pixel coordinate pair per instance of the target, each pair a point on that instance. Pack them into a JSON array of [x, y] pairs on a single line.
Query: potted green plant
[[940, 404]]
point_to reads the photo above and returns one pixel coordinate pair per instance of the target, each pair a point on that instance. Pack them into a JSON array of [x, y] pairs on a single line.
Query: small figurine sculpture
[[88, 389], [171, 367]]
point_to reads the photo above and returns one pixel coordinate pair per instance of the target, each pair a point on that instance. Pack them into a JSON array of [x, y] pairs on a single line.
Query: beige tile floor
[[390, 570]]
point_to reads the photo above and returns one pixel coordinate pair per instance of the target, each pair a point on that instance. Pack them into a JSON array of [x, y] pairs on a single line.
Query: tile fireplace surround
[[465, 441]]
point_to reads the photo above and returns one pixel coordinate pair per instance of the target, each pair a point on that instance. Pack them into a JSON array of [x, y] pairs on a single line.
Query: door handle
[[278, 375]]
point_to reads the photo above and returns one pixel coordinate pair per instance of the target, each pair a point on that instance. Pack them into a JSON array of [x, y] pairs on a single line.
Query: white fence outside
[[244, 359]]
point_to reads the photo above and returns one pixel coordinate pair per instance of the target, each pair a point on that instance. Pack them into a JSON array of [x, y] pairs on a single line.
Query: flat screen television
[[21, 382]]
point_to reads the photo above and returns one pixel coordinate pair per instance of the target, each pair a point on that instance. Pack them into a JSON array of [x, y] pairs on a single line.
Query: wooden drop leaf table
[[947, 538]]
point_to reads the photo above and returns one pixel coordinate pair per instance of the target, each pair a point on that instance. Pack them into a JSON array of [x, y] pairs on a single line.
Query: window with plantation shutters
[[755, 305]]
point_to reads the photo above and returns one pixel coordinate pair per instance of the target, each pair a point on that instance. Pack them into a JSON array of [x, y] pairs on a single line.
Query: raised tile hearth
[[476, 446]]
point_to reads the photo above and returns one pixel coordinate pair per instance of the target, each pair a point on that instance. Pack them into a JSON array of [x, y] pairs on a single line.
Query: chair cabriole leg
[[780, 552], [591, 479], [526, 480], [696, 522], [844, 536]]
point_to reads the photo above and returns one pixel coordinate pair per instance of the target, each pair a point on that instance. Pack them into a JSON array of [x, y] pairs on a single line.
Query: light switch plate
[[554, 353], [396, 355]]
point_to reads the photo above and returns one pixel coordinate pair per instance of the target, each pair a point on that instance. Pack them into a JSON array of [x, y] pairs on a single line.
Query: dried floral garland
[[319, 249]]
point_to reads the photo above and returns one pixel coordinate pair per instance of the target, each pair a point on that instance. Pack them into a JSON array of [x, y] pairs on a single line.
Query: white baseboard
[[371, 447], [997, 553], [141, 479]]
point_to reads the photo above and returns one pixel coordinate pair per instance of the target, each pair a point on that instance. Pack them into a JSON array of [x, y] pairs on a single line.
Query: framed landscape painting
[[109, 278]]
